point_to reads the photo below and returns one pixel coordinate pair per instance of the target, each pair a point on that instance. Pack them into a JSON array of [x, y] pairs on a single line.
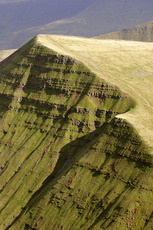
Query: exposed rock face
[[66, 162]]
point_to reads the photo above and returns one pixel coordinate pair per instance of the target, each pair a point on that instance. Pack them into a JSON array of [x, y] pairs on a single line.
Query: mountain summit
[[68, 158]]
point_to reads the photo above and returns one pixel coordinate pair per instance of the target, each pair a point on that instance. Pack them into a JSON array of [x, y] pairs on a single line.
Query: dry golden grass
[[127, 64], [5, 53]]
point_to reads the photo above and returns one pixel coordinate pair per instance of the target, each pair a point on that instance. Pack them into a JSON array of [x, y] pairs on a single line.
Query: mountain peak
[[68, 161]]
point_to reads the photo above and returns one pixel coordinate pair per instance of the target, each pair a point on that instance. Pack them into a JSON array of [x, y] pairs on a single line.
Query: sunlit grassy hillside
[[5, 53], [66, 160], [129, 65]]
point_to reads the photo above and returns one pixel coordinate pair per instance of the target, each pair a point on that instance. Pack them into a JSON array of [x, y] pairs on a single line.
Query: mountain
[[75, 150], [21, 21], [19, 15], [142, 32], [5, 53]]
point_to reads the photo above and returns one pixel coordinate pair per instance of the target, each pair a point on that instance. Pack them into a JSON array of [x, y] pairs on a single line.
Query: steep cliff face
[[66, 162]]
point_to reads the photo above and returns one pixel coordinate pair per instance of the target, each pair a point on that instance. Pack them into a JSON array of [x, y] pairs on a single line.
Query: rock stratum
[[66, 161]]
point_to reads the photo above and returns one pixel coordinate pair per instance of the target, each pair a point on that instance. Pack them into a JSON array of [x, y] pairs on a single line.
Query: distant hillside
[[20, 14], [5, 53], [142, 32], [78, 18]]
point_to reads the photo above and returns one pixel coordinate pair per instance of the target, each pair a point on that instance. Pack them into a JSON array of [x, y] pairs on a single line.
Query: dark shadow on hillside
[[67, 158], [71, 153]]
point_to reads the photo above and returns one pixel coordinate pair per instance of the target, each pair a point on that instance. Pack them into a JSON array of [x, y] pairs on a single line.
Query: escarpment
[[142, 32], [66, 162], [106, 182]]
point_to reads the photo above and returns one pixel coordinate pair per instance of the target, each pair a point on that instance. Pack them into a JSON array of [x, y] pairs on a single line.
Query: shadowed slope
[[67, 161], [125, 64], [47, 100], [106, 182]]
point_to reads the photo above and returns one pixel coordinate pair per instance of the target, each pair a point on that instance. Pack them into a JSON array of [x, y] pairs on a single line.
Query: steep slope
[[125, 64], [98, 17], [107, 184], [5, 53], [142, 32], [67, 162]]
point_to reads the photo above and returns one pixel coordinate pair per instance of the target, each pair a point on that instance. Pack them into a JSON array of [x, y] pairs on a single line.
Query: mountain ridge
[[68, 160], [143, 32], [20, 15]]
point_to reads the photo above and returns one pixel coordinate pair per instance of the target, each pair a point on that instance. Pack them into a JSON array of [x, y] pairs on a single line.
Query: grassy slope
[[105, 186], [59, 101], [142, 32], [68, 164], [125, 64], [5, 53]]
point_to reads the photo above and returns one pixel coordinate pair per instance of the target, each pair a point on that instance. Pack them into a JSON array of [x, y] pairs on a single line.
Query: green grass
[[100, 189], [67, 160], [116, 62]]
